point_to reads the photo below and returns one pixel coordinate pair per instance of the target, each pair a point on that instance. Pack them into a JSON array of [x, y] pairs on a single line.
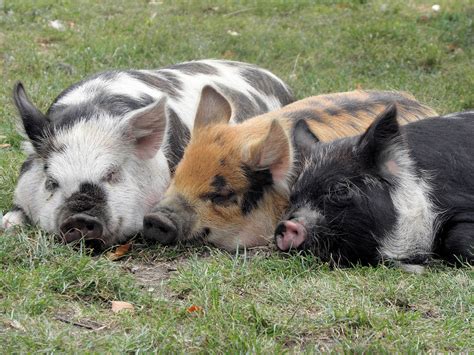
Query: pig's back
[[250, 89], [339, 115], [444, 148]]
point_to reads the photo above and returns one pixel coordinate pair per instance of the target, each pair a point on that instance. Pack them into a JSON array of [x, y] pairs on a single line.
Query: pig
[[232, 185], [401, 195], [104, 152]]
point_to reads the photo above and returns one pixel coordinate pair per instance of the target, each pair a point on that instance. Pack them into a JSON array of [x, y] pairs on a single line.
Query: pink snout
[[290, 235]]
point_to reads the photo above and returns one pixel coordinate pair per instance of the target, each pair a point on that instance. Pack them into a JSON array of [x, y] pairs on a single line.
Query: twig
[[77, 324]]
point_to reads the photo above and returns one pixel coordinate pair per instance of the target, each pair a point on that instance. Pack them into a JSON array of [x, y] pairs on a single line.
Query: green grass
[[57, 299]]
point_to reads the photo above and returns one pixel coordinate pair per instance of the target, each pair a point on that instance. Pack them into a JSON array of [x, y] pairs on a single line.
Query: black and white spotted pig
[[401, 194], [103, 154]]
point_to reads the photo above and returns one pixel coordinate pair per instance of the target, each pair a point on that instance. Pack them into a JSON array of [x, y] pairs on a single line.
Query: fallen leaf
[[193, 309], [57, 25], [118, 306], [16, 325], [119, 252], [452, 47], [6, 145]]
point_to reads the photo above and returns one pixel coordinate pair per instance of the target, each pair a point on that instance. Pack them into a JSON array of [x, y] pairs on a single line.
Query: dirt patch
[[153, 267], [321, 341], [153, 277]]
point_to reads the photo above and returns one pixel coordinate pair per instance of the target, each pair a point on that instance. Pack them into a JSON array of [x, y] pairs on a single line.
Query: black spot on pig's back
[[244, 106], [163, 80], [267, 84], [194, 68], [178, 138], [114, 105]]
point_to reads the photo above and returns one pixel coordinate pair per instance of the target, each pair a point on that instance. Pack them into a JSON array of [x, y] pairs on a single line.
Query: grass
[[55, 298]]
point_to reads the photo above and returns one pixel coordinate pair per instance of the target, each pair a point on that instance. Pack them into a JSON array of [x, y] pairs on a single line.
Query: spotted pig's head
[[231, 185]]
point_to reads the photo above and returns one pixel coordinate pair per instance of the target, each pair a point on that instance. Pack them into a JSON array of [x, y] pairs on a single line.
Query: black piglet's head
[[341, 205]]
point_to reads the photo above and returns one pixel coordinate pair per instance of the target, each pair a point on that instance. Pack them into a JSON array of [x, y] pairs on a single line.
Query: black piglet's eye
[[51, 184], [340, 192]]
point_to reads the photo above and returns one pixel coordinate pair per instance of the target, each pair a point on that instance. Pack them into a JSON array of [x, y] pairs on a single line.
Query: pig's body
[[402, 194], [233, 182], [104, 153]]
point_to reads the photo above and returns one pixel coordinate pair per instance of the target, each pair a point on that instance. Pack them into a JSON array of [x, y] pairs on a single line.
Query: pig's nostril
[[81, 226], [159, 228], [162, 229], [280, 229], [290, 235]]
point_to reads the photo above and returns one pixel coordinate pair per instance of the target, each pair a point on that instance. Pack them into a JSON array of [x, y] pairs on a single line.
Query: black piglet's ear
[[304, 139], [34, 121], [381, 137]]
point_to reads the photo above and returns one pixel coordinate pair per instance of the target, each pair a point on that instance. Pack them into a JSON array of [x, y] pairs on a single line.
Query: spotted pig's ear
[[213, 109], [146, 127], [271, 152]]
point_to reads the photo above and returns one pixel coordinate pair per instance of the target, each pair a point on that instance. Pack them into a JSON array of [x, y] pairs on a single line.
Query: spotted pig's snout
[[171, 221], [81, 226], [157, 227]]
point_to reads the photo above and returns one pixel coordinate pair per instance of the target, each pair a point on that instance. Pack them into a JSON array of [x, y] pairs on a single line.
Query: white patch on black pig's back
[[414, 230]]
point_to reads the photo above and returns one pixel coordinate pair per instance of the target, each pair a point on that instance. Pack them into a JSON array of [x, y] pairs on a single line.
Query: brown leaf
[[454, 48], [16, 325], [119, 252], [118, 306], [193, 309]]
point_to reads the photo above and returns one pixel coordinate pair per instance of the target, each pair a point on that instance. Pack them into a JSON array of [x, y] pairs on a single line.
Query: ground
[[55, 298]]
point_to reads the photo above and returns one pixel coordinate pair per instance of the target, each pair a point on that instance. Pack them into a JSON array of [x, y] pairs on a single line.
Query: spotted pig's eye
[[51, 184], [224, 199]]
